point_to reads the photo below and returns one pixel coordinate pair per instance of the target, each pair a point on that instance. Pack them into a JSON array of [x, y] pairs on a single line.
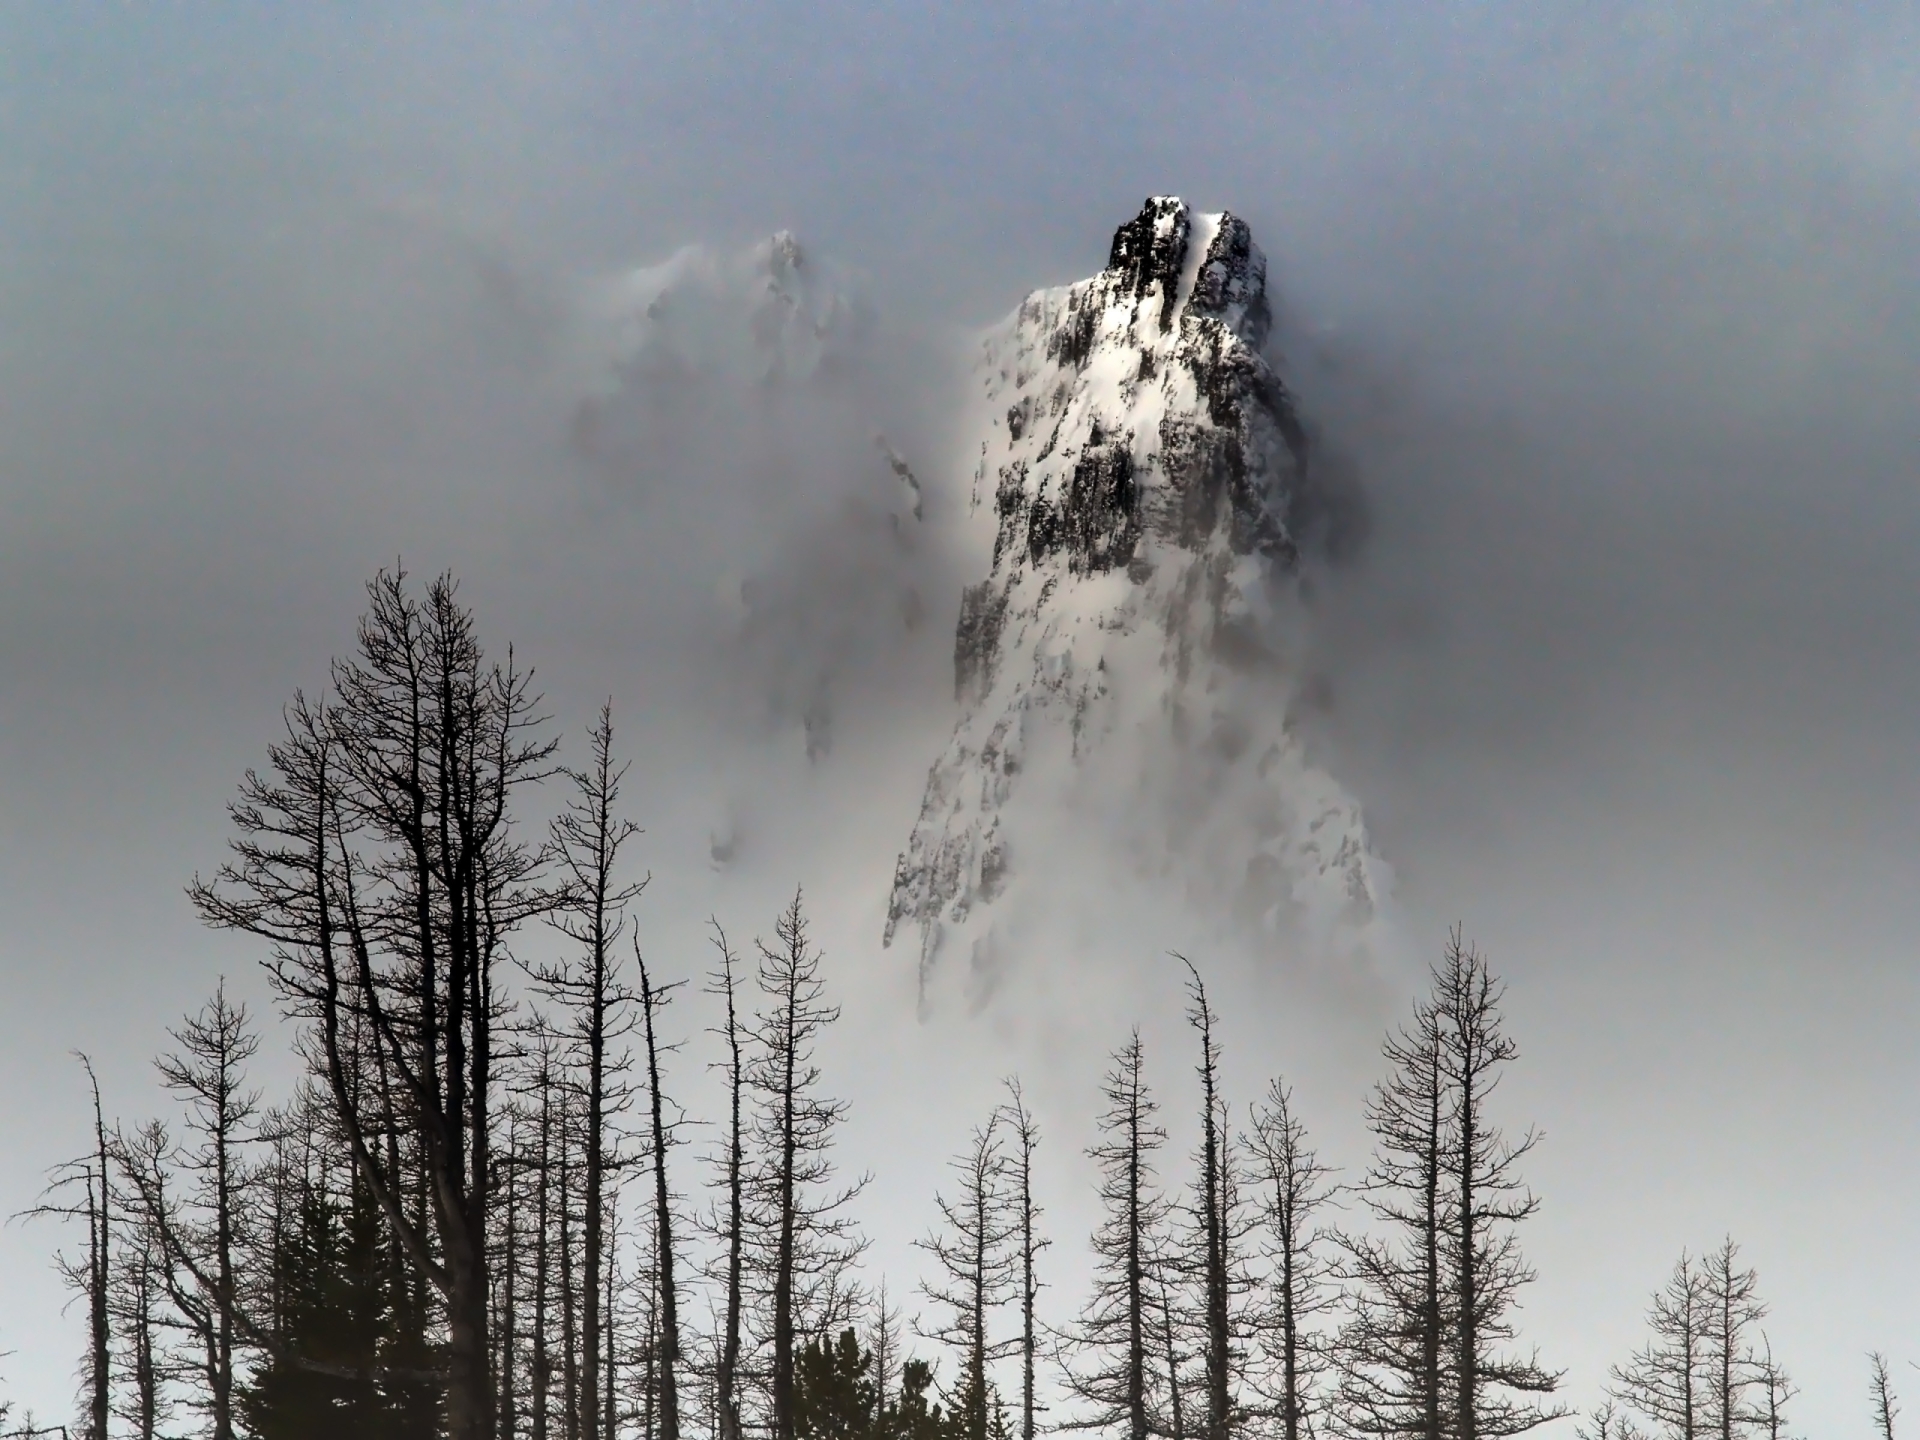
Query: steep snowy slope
[[1121, 669]]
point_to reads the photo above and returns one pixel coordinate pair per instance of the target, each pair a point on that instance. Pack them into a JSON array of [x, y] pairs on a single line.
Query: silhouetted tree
[[1392, 1348], [1733, 1309], [1106, 1354], [665, 1282], [1434, 1298], [587, 838], [1292, 1186], [729, 1222], [1664, 1382], [975, 1274], [835, 1395], [208, 1075], [1776, 1389], [1026, 1140], [1489, 1200], [1880, 1390], [803, 1238], [378, 858], [1218, 1228]]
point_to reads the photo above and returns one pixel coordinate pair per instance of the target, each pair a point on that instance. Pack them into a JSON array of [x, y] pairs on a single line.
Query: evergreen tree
[[835, 1393]]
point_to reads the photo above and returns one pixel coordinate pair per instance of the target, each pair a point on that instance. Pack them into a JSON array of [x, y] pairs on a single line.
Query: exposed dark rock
[[976, 640]]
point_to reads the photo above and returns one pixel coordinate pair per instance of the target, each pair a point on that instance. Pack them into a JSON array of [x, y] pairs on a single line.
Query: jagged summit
[[1140, 459]]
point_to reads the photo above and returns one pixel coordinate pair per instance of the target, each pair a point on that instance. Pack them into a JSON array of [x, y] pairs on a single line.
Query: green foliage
[[834, 1390], [339, 1306], [838, 1397]]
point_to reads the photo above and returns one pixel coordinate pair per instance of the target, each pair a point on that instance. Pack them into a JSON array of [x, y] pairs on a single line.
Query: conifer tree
[[665, 1281], [1392, 1348], [1665, 1381], [1107, 1354], [587, 839], [1734, 1309], [728, 1224], [1293, 1187], [802, 1239], [378, 859], [975, 1272], [1434, 1295], [1494, 1389], [1218, 1229], [1025, 1135], [1880, 1390]]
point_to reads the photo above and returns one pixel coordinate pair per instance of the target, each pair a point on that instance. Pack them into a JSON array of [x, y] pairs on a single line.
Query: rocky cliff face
[[1140, 462]]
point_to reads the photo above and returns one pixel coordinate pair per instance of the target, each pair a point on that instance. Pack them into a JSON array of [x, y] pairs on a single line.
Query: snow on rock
[[1121, 667]]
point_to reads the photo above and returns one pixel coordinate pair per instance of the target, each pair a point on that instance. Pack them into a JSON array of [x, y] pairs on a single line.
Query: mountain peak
[[1204, 264], [1141, 459]]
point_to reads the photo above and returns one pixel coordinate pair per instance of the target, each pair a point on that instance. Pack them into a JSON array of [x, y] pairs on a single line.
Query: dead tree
[[1392, 1350], [1026, 1140], [587, 838], [99, 1210], [138, 1295], [975, 1265], [1489, 1200], [1734, 1309], [1106, 1354], [1776, 1389], [1216, 1228], [666, 1285], [209, 1076], [93, 1275], [729, 1223], [803, 1240], [1664, 1383], [1880, 1391], [377, 857], [1293, 1187]]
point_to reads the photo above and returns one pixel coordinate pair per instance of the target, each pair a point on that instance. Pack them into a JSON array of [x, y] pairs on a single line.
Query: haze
[[1612, 310]]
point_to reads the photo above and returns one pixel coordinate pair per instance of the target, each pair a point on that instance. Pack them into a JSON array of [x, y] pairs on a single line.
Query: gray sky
[[1614, 309]]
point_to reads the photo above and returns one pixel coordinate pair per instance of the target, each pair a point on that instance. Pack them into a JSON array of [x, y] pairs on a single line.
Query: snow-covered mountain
[[1123, 671]]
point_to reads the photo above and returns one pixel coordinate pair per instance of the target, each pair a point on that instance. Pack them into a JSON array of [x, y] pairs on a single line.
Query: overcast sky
[[1615, 310]]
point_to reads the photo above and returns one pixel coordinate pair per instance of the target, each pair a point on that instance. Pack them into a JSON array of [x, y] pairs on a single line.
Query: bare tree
[[138, 1295], [1734, 1309], [92, 1275], [975, 1271], [209, 1076], [1664, 1382], [1880, 1390], [587, 838], [1392, 1349], [1026, 1140], [1489, 1201], [1776, 1389], [378, 858], [1217, 1230], [730, 1224], [805, 1238], [99, 1210], [1106, 1355], [1293, 1188], [1435, 1299], [666, 1285]]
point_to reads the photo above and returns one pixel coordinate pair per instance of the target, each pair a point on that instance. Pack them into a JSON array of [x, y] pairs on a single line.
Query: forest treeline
[[478, 1217]]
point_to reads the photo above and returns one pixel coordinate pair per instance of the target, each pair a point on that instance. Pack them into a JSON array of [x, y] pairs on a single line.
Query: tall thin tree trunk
[[669, 1345], [726, 1370]]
